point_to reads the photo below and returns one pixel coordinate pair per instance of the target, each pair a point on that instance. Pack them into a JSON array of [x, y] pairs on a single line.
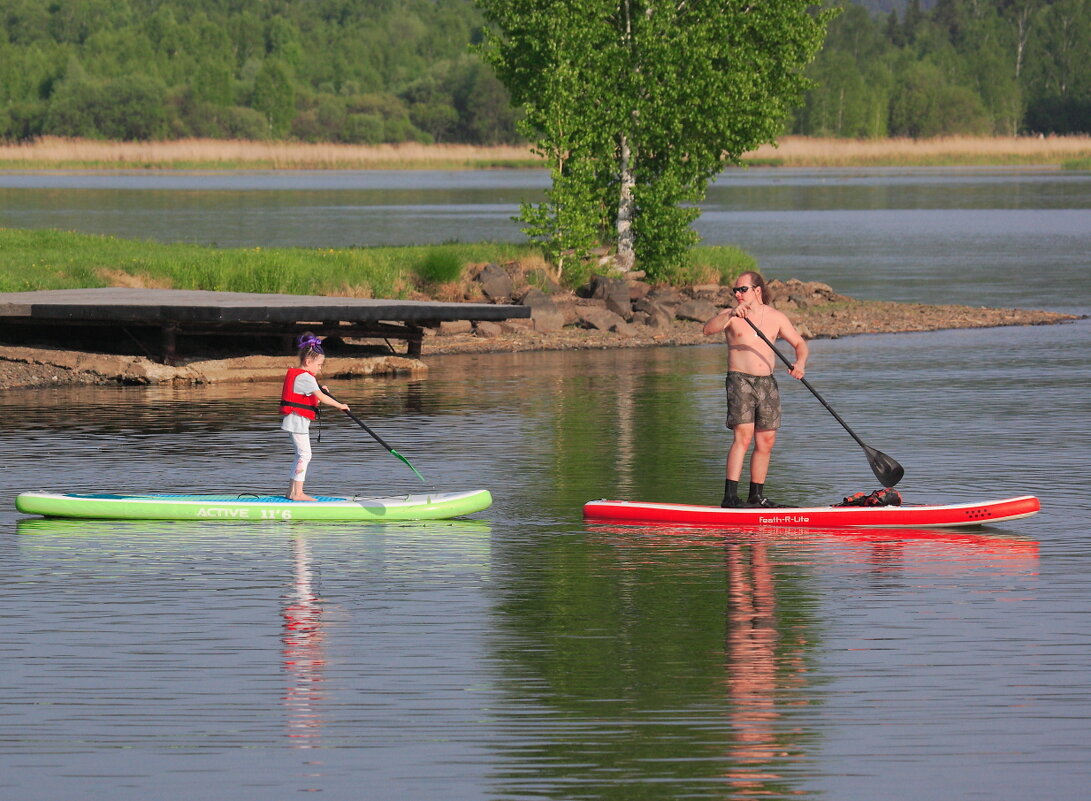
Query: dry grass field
[[792, 151], [215, 153], [798, 151]]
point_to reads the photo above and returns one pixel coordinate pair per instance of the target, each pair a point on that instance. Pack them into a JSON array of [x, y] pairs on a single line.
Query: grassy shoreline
[[39, 259], [1068, 152]]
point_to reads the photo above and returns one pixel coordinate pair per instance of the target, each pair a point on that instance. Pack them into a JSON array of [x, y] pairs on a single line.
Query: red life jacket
[[293, 403]]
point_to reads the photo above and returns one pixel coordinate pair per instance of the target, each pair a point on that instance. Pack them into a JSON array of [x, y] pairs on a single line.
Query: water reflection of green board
[[161, 506]]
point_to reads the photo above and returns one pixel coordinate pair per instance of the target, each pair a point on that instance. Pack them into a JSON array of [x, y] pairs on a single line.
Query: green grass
[[719, 264], [1077, 164], [45, 259]]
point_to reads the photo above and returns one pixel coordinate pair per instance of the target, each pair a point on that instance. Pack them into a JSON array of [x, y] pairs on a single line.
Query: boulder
[[603, 320], [667, 297], [487, 330], [450, 327], [699, 311], [660, 318], [614, 292], [638, 290], [655, 315], [496, 284], [547, 318], [535, 297], [706, 291], [516, 325]]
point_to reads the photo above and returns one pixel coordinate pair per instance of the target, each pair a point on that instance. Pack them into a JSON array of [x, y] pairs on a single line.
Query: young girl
[[299, 401]]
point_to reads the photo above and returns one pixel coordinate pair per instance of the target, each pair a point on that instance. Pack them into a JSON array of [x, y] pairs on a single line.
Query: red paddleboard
[[947, 516]]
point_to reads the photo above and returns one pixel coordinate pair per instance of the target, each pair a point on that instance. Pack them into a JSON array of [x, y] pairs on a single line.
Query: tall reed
[[791, 151]]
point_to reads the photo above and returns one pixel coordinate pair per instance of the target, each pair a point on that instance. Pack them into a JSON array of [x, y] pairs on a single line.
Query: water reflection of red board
[[825, 517], [900, 543]]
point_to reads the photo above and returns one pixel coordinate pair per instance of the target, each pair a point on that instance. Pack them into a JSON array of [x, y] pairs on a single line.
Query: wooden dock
[[155, 319]]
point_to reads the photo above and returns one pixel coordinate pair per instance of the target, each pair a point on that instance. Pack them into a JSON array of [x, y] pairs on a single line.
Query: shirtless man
[[753, 401]]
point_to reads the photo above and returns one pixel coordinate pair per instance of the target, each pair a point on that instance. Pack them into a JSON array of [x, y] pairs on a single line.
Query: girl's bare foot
[[301, 498]]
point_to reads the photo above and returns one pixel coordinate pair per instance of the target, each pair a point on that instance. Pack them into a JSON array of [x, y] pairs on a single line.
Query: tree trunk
[[626, 257]]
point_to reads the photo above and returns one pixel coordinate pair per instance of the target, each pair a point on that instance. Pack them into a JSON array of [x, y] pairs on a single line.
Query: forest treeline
[[375, 71]]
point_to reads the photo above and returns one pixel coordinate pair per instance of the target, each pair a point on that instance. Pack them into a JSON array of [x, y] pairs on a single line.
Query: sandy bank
[[38, 367]]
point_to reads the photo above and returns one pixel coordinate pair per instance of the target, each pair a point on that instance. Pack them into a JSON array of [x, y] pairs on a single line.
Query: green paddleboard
[[162, 506]]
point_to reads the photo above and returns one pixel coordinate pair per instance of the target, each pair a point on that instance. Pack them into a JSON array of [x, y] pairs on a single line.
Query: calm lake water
[[526, 654]]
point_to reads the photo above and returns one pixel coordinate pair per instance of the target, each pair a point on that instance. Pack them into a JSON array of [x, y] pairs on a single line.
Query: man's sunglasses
[[742, 289]]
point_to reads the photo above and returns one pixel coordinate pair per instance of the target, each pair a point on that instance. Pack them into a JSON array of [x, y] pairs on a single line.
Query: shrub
[[438, 266]]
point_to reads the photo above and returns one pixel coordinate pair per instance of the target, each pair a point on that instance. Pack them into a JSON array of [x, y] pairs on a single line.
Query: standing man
[[753, 401]]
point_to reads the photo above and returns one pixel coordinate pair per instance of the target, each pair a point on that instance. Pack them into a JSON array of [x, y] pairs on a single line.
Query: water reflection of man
[[751, 647]]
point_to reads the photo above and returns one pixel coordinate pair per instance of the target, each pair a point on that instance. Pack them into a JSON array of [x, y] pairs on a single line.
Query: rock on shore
[[36, 367], [610, 312], [618, 313]]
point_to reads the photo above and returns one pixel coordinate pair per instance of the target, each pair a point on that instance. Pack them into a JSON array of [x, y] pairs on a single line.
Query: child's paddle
[[379, 439]]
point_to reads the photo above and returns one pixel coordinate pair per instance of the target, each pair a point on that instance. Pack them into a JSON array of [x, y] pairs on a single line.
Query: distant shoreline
[[52, 153]]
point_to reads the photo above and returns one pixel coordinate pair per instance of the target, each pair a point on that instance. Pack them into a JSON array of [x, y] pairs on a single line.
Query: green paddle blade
[[410, 466]]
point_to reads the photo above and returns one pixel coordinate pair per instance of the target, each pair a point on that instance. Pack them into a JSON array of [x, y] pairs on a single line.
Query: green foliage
[[1006, 66], [925, 104], [279, 60], [636, 106], [720, 264], [997, 67], [274, 95], [33, 260], [439, 265]]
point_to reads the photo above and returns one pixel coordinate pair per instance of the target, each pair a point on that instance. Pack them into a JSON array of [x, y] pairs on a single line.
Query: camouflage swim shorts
[[753, 399]]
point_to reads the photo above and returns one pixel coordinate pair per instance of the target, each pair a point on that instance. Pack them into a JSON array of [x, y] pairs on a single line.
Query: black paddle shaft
[[888, 471], [380, 440]]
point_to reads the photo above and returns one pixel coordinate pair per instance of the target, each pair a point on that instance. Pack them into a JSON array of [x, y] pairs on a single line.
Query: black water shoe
[[732, 503]]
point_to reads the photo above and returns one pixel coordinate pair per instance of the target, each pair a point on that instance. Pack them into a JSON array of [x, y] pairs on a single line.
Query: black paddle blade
[[885, 469]]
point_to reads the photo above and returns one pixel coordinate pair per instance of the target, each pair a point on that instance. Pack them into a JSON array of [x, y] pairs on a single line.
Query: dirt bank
[[37, 367], [843, 319], [816, 310]]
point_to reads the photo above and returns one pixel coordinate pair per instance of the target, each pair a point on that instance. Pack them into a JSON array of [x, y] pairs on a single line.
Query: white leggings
[[302, 444]]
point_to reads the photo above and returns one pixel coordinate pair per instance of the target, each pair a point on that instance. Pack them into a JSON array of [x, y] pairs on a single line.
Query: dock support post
[[170, 343], [415, 340]]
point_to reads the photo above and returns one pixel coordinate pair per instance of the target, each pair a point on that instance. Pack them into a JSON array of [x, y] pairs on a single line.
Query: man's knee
[[744, 434], [765, 440]]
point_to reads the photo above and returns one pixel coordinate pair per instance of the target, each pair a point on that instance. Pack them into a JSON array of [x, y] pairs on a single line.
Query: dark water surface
[[525, 654]]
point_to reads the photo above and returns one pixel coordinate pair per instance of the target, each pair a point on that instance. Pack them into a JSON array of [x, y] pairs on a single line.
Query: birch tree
[[637, 104]]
